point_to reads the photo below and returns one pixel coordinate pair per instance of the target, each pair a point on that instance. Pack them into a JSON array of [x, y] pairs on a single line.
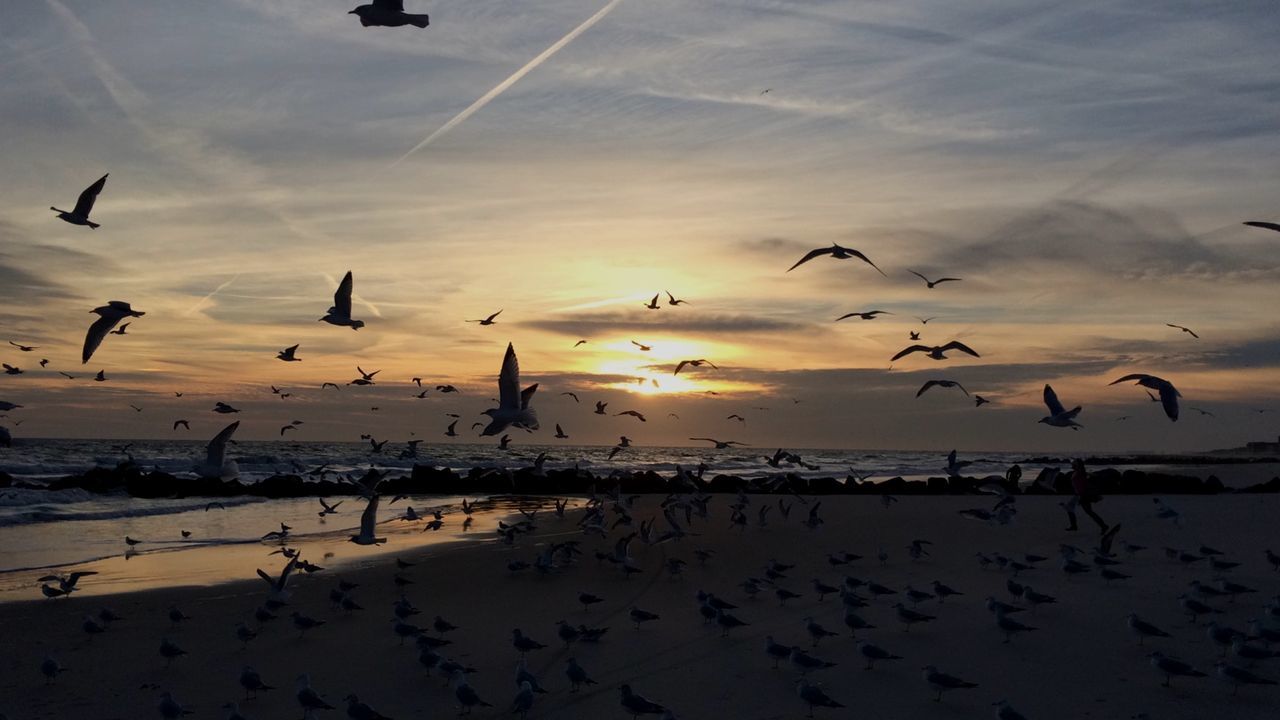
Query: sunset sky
[[1084, 168]]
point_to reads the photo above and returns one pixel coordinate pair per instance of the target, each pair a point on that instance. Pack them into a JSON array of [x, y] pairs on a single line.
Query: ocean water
[[42, 529]]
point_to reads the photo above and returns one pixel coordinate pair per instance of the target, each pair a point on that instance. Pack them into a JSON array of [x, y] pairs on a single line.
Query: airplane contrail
[[515, 77], [210, 296]]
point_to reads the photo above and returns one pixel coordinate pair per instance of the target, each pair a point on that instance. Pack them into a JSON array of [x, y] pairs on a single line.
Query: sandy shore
[[1081, 662]]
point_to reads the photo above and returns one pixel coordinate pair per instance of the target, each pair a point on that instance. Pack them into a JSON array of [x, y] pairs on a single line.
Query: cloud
[[589, 324]]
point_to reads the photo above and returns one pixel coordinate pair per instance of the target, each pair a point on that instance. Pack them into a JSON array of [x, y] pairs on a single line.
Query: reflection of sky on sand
[[235, 553]]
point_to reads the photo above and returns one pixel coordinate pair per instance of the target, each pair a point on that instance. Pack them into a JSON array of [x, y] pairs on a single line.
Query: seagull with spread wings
[[216, 464], [489, 320], [389, 13], [84, 205], [288, 354], [1186, 330], [932, 283], [340, 313], [513, 403], [941, 383], [936, 352], [720, 444], [1168, 393], [1058, 415], [694, 363], [869, 315], [108, 315], [837, 253]]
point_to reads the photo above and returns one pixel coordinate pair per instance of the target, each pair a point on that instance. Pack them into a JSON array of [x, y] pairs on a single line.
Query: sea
[[45, 531]]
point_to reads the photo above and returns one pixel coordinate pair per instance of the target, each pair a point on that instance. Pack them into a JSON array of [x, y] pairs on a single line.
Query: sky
[[1084, 167]]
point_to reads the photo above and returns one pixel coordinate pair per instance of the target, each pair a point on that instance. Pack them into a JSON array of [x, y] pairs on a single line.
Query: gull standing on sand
[[837, 253], [79, 215], [513, 403], [340, 313], [638, 704], [813, 696], [1058, 415], [1168, 393], [941, 682], [216, 464], [368, 524], [308, 698], [108, 315]]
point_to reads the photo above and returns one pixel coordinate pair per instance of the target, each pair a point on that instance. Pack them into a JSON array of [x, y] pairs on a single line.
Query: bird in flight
[[737, 417], [695, 363], [330, 385], [10, 369], [979, 401], [869, 315], [600, 406], [913, 335], [1168, 393], [936, 352], [340, 313], [366, 378], [633, 414], [122, 330], [1058, 415], [1186, 330], [560, 435], [513, 403], [183, 423], [572, 395], [942, 383], [671, 299], [925, 321], [932, 283], [580, 342], [25, 348], [653, 304], [224, 409], [1264, 225], [446, 389], [108, 315], [101, 376], [489, 320], [837, 253], [720, 444], [84, 205], [643, 348], [1202, 412], [287, 354], [389, 13]]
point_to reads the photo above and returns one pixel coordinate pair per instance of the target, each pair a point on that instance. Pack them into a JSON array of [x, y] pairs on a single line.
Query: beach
[[1081, 661]]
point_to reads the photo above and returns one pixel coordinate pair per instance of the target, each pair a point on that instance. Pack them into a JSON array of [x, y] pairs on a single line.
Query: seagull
[[452, 431], [870, 315], [837, 253], [720, 444], [600, 406], [84, 205], [388, 13], [1058, 415], [941, 682], [941, 383], [1238, 676], [637, 704], [513, 404], [580, 342], [932, 283], [308, 698], [216, 464], [572, 395], [695, 363], [328, 509], [25, 348], [1169, 667], [1168, 393], [813, 696], [287, 354], [643, 348], [1186, 330], [979, 401], [671, 299], [489, 320], [936, 352], [224, 409], [108, 315], [633, 414], [340, 313], [653, 304]]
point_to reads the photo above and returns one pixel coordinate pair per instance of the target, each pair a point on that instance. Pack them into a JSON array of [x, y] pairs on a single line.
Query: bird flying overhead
[[1186, 330], [84, 205], [1058, 415], [340, 313], [287, 354], [869, 315], [1168, 393], [837, 253], [936, 352], [932, 283], [388, 13], [108, 315], [695, 363], [489, 320], [942, 383], [513, 403]]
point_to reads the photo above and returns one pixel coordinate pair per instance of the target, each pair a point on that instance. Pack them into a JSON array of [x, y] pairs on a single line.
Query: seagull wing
[[957, 345], [509, 395], [85, 202], [369, 518], [1136, 377], [913, 272], [925, 387], [97, 332], [865, 259], [342, 298], [526, 395], [217, 449], [1169, 399], [680, 366], [907, 351], [946, 279], [1264, 225], [1051, 401], [809, 256]]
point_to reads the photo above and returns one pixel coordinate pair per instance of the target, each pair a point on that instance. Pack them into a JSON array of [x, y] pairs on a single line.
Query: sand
[[1081, 662]]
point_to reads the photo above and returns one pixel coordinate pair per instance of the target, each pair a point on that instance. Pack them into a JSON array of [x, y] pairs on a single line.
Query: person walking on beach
[[1083, 496]]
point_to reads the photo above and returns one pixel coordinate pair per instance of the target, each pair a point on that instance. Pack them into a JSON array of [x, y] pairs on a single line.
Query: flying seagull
[[368, 524], [1168, 393], [215, 463], [84, 205], [695, 363], [936, 352], [489, 320], [671, 299], [932, 283], [388, 13], [287, 354], [1186, 330], [941, 383], [560, 435], [653, 304], [108, 315], [24, 348], [643, 348], [870, 315], [1059, 416], [122, 330], [837, 253], [513, 403], [580, 342], [340, 313], [720, 444]]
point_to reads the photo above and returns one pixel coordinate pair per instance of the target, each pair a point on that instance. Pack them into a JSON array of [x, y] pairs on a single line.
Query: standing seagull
[[108, 315], [388, 13], [368, 523], [1059, 416], [80, 215], [837, 253], [513, 403], [1168, 393], [340, 313], [932, 283]]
